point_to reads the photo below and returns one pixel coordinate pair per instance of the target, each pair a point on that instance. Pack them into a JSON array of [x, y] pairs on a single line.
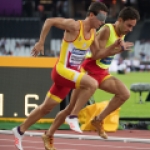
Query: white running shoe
[[73, 123], [18, 138]]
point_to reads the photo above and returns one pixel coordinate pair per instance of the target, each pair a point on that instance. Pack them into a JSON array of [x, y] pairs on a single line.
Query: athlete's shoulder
[[108, 24], [104, 29], [74, 23], [111, 27]]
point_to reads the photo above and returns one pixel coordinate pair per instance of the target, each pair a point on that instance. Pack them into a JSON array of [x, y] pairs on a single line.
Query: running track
[[35, 142]]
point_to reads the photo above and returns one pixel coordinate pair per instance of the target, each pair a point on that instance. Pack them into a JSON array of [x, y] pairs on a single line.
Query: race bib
[[76, 57], [106, 61]]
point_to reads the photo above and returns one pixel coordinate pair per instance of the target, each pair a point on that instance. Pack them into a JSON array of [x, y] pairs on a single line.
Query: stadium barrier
[[24, 82]]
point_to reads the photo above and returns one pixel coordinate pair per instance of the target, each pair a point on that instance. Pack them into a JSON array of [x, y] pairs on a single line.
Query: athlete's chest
[[82, 43]]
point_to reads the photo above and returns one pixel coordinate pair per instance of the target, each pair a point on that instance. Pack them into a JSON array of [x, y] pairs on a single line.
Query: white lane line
[[88, 145], [85, 137]]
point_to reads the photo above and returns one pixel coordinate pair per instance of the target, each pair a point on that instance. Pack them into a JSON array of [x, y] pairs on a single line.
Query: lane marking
[[89, 145]]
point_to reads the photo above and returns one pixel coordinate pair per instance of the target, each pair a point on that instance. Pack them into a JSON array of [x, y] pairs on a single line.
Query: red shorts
[[64, 79], [92, 69]]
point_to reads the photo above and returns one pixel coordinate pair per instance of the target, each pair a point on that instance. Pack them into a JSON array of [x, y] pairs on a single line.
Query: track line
[[88, 145]]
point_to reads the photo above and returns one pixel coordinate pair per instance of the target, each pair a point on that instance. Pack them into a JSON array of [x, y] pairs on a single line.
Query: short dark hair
[[129, 13], [95, 7]]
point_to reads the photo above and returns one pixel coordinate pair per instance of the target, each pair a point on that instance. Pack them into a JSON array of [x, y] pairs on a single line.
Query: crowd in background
[[42, 9], [55, 8], [66, 8]]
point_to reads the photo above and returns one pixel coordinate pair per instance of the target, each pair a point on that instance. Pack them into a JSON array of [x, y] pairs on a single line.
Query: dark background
[[17, 82]]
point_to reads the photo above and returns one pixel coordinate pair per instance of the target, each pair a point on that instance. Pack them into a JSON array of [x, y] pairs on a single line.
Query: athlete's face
[[99, 19], [127, 26]]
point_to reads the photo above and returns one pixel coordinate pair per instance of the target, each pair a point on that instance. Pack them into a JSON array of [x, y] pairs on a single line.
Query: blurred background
[[20, 25], [21, 22]]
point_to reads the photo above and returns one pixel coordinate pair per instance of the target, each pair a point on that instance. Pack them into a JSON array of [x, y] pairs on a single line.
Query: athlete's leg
[[60, 117], [53, 98], [57, 93], [88, 86], [48, 137], [34, 116], [113, 86], [72, 79], [38, 113]]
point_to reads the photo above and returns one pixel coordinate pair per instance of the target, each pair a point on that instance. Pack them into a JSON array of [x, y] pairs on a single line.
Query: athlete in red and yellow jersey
[[66, 73], [78, 37]]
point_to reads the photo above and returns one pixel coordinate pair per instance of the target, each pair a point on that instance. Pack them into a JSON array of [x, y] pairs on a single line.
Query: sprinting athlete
[[78, 37], [98, 69]]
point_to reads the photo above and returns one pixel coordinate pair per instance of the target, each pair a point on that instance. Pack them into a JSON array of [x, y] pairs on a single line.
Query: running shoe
[[99, 127], [73, 123], [48, 142], [18, 138]]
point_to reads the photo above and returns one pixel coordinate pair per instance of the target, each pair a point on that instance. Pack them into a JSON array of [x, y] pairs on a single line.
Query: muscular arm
[[69, 25], [98, 47]]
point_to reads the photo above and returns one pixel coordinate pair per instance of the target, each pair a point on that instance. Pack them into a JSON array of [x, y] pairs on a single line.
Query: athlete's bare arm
[[98, 47], [70, 26]]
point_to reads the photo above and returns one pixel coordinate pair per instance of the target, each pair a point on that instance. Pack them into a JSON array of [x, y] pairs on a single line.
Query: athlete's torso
[[105, 62], [73, 53]]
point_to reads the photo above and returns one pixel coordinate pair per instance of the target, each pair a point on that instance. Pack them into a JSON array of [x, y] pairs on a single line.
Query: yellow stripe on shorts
[[108, 76], [77, 84], [55, 98]]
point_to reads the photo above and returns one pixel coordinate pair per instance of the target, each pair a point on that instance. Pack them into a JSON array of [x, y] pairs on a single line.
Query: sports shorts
[[90, 67], [64, 79]]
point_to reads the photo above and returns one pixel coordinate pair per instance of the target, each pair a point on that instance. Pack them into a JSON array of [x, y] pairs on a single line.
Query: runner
[[98, 69], [78, 37]]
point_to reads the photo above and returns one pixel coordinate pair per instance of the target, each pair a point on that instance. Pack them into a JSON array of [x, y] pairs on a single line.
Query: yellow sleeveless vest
[[73, 52], [106, 62]]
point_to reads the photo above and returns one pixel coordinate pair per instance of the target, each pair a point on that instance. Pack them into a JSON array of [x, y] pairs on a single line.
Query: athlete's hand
[[118, 42], [127, 45], [37, 49], [124, 45]]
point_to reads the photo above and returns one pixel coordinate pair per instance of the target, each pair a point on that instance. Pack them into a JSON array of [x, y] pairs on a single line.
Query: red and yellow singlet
[[98, 69], [66, 74]]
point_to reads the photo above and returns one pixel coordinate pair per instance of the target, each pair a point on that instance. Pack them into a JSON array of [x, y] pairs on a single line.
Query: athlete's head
[[97, 13], [127, 19]]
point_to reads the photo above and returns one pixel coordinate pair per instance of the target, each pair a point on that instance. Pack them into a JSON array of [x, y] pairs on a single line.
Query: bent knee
[[126, 95], [93, 85], [89, 83]]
